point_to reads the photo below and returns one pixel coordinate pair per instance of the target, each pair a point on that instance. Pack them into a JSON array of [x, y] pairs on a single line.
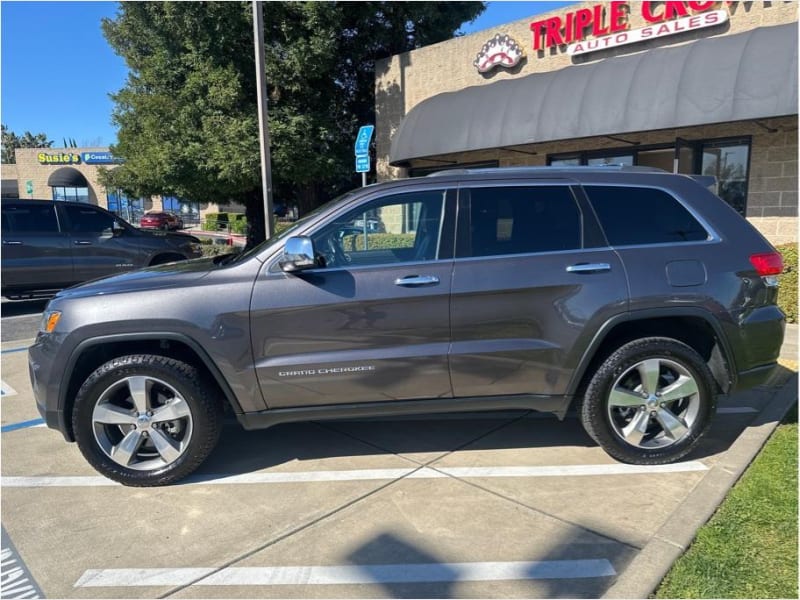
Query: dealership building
[[689, 87], [73, 175]]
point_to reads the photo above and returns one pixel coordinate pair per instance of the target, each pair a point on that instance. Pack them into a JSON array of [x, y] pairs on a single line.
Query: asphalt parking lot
[[508, 504]]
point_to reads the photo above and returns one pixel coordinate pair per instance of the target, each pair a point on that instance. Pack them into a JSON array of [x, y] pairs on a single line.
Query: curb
[[646, 571]]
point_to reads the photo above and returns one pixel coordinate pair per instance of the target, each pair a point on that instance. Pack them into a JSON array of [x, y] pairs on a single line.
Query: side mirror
[[298, 254], [117, 229]]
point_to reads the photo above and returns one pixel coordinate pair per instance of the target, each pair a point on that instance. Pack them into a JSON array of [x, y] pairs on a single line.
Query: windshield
[[290, 230]]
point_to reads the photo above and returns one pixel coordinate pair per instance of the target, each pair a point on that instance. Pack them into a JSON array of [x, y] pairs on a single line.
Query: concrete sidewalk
[[789, 348], [646, 571]]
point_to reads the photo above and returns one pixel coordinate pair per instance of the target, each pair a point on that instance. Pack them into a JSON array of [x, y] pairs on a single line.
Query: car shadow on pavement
[[241, 451], [420, 441]]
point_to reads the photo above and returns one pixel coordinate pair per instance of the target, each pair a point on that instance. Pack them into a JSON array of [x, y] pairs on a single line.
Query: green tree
[[187, 121], [11, 141]]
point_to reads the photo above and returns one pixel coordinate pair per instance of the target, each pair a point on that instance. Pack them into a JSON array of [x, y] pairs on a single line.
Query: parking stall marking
[[6, 390], [350, 574], [39, 423], [22, 425], [15, 580], [489, 415], [12, 350], [372, 474]]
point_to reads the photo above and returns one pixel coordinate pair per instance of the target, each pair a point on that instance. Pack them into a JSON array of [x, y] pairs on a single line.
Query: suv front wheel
[[145, 420], [649, 402]]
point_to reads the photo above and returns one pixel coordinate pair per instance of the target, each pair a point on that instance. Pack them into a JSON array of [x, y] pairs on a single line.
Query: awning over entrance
[[748, 75], [67, 177]]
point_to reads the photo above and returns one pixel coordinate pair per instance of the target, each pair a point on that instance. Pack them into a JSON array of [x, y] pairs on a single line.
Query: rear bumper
[[756, 337], [753, 377]]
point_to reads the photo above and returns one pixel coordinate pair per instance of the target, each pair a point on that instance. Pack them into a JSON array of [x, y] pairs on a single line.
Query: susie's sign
[[609, 25]]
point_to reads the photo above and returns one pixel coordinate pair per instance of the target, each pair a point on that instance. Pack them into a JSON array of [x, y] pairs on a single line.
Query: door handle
[[12, 243], [82, 243], [588, 268], [416, 280]]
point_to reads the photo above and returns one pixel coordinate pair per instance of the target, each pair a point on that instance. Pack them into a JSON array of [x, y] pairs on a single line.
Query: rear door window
[[642, 216], [33, 218], [84, 219], [521, 220]]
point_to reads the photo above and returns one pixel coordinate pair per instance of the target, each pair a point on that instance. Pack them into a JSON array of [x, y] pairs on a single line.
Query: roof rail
[[550, 169]]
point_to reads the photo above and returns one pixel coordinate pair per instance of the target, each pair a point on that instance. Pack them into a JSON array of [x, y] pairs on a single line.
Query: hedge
[[239, 224], [787, 292], [217, 249], [214, 221], [378, 241]]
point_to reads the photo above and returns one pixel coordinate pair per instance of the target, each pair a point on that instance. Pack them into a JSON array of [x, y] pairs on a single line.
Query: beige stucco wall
[[29, 168], [405, 80]]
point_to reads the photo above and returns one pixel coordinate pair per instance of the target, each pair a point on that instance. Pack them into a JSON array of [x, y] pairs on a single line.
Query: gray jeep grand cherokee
[[636, 295]]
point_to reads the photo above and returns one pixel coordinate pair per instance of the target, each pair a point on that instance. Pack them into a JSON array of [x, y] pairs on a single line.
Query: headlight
[[195, 247], [49, 321]]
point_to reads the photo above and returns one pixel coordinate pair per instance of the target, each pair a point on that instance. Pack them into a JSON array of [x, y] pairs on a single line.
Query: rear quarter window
[[33, 218], [641, 216]]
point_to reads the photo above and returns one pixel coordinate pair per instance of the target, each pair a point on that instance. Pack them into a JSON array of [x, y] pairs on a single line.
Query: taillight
[[769, 263]]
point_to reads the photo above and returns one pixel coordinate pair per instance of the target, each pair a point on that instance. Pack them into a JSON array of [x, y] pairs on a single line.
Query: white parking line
[[6, 390], [374, 474], [361, 574]]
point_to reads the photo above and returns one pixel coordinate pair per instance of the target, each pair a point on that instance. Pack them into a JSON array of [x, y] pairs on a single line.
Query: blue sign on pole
[[363, 139], [362, 163]]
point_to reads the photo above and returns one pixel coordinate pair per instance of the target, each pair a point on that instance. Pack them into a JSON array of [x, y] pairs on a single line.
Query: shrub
[[239, 224], [218, 249], [378, 241], [215, 221], [787, 293]]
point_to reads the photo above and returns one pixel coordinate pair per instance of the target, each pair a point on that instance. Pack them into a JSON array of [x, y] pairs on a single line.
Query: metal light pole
[[263, 123]]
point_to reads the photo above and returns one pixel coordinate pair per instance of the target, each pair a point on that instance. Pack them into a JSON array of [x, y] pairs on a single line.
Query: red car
[[160, 220]]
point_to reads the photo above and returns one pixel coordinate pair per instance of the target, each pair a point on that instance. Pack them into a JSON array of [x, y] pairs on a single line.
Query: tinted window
[[632, 215], [87, 220], [398, 228], [19, 218], [520, 220]]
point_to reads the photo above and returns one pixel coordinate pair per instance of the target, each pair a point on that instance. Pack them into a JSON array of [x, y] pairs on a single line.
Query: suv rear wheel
[[146, 420], [649, 402]]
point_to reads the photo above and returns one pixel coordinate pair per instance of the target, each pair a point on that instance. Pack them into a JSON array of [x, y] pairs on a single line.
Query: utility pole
[[263, 123]]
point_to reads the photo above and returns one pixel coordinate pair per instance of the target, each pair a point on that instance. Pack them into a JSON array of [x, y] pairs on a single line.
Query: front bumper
[[46, 374]]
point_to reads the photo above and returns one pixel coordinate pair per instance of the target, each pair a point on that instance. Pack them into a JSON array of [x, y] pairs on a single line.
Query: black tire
[[626, 373], [105, 414]]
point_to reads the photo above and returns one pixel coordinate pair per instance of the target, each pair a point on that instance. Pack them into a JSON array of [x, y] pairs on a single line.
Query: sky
[[57, 70]]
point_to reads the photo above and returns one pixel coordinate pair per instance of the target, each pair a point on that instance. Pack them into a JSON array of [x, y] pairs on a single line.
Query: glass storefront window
[[130, 209], [626, 160], [70, 194], [726, 159], [566, 162], [729, 163], [189, 211]]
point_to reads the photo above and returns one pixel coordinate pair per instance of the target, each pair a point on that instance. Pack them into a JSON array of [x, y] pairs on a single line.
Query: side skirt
[[267, 418]]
